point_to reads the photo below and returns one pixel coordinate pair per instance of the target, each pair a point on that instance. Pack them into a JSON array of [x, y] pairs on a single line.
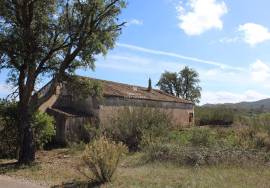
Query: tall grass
[[132, 126], [214, 116]]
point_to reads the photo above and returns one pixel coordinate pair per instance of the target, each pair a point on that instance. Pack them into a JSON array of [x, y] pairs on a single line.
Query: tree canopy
[[51, 38], [184, 84]]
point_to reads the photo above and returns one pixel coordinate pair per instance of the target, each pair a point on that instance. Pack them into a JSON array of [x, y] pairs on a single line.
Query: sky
[[226, 41]]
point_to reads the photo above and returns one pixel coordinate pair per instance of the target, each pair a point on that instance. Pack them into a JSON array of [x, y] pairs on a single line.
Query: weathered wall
[[52, 100], [179, 117], [69, 127], [178, 112], [76, 129]]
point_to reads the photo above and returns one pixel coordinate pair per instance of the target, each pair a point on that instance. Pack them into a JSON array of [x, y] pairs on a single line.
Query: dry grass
[[58, 166], [51, 168], [160, 175]]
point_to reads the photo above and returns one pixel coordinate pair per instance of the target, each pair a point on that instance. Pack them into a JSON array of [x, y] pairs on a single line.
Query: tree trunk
[[27, 144]]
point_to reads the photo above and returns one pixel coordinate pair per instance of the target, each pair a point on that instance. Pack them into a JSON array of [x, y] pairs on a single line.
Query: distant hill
[[261, 105]]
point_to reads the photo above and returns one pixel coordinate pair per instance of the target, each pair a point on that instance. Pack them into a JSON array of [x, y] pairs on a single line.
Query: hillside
[[261, 105]]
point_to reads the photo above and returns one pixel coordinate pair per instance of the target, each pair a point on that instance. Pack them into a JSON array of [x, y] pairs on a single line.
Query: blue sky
[[226, 41]]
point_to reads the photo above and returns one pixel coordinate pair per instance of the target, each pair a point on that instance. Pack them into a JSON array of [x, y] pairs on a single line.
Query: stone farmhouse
[[72, 114]]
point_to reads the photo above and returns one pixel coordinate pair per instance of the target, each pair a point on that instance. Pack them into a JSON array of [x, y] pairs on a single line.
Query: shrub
[[130, 126], [43, 128], [214, 116], [202, 137], [101, 158], [191, 156], [8, 129]]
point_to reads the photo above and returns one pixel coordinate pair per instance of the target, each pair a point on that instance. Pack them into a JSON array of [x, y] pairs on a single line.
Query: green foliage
[[101, 158], [8, 129], [202, 137], [186, 155], [184, 84], [253, 131], [168, 83], [132, 126], [214, 116], [41, 38], [84, 87], [42, 124], [72, 32], [44, 130], [205, 137]]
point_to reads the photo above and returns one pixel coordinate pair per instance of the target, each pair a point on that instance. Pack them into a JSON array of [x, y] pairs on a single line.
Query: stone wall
[[180, 113], [70, 127], [180, 117]]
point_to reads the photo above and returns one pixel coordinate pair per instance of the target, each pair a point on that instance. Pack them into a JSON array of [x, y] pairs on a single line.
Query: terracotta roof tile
[[116, 89]]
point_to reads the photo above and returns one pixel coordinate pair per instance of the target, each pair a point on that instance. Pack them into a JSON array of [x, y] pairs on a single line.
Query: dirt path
[[8, 182]]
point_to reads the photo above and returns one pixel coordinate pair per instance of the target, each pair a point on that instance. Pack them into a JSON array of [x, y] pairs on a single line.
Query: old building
[[72, 114]]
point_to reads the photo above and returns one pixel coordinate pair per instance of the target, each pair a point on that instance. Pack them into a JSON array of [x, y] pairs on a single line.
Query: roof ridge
[[113, 82]]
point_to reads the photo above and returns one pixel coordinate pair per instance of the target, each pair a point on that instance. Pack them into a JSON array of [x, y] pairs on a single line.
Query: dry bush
[[131, 126], [187, 155], [101, 158]]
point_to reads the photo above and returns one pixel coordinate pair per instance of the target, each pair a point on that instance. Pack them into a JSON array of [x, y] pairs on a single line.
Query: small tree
[[51, 38], [184, 84]]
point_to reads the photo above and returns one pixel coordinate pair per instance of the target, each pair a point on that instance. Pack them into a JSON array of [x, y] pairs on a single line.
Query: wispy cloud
[[134, 22], [219, 97], [136, 64], [179, 56], [201, 15], [143, 65], [228, 40]]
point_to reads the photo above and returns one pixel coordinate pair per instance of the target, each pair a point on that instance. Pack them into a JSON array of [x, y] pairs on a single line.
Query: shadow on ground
[[7, 167], [78, 184]]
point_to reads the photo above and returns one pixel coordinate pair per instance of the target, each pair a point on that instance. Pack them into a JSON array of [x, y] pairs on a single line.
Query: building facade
[[72, 114]]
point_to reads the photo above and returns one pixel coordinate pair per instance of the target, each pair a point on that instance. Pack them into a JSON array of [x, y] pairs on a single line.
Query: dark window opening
[[191, 115]]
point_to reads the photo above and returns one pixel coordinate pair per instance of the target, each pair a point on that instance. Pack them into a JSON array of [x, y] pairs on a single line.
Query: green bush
[[202, 137], [43, 128], [214, 116], [132, 126], [8, 129], [101, 158]]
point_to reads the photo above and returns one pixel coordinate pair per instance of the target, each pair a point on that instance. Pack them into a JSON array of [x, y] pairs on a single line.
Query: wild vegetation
[[42, 125], [51, 38], [200, 156], [101, 158], [214, 116], [133, 126]]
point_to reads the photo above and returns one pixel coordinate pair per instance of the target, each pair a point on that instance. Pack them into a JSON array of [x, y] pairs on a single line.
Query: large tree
[[41, 38], [184, 84]]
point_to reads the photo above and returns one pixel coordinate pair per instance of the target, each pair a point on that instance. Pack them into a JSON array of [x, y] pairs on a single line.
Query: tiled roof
[[136, 92]]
